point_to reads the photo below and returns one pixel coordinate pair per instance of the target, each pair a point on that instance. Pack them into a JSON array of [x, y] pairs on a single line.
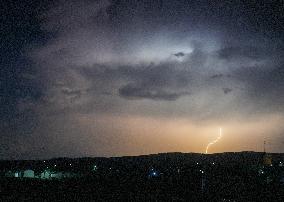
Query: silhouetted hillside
[[242, 176]]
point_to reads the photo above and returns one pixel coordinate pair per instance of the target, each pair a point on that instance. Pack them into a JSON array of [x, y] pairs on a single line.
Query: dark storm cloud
[[106, 56], [157, 82], [235, 52], [261, 50], [217, 76], [221, 76], [71, 92], [168, 80], [179, 54], [132, 91], [78, 35], [227, 90], [264, 86]]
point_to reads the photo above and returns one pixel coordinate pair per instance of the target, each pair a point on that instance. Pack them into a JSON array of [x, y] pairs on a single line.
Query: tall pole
[[264, 143]]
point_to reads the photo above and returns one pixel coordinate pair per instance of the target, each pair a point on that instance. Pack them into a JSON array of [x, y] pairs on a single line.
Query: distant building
[[20, 173], [267, 159], [10, 174], [46, 174], [29, 173], [57, 175]]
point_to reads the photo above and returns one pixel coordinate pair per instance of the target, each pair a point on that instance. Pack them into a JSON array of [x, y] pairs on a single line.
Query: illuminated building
[[29, 173], [267, 159]]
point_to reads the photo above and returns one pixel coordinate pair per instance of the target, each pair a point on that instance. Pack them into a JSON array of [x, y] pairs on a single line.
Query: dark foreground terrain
[[245, 176]]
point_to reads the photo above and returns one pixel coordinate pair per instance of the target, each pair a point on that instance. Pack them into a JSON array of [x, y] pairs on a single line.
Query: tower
[[267, 158]]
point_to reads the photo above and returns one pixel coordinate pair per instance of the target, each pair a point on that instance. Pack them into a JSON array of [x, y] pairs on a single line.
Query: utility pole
[[264, 144]]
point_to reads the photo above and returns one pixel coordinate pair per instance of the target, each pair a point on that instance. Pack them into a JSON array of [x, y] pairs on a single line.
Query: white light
[[70, 164], [215, 141], [55, 165]]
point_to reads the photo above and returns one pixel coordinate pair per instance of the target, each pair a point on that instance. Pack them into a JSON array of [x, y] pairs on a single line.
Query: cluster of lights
[[155, 173]]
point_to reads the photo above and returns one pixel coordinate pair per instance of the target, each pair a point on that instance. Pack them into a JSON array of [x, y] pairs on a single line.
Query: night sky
[[113, 78]]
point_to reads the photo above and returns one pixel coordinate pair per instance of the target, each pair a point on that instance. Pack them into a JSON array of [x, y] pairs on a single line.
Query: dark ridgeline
[[244, 176]]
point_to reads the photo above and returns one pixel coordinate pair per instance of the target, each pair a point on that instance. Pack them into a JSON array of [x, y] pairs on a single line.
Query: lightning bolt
[[215, 141]]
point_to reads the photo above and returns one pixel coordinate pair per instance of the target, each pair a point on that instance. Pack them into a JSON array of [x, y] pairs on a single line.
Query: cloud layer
[[144, 59]]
